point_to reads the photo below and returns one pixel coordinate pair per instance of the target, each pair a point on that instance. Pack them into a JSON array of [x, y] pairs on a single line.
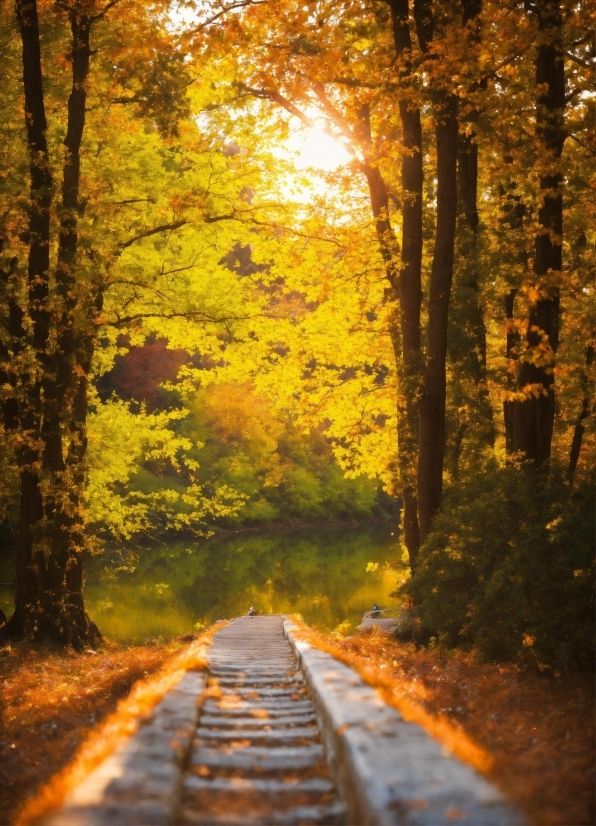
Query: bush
[[509, 569]]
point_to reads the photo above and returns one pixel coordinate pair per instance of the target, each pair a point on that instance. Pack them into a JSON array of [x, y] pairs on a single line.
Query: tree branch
[[240, 4], [154, 231], [586, 64], [194, 315], [582, 144], [334, 116], [275, 97]]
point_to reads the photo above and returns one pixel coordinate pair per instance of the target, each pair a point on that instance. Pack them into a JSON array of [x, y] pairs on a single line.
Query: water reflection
[[319, 573]]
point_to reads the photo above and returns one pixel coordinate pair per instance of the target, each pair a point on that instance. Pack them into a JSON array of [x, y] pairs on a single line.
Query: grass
[[530, 735]]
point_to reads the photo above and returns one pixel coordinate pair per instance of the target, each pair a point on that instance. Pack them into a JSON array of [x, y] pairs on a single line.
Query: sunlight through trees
[[367, 230]]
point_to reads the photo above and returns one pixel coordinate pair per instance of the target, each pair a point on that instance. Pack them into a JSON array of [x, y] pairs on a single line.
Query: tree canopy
[[419, 313]]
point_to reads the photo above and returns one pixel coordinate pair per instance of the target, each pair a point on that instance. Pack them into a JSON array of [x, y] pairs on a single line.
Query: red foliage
[[138, 374]]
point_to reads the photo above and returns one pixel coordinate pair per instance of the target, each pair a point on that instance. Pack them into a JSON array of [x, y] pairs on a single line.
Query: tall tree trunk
[[467, 177], [514, 215], [533, 416], [49, 592], [433, 397], [511, 354], [27, 415], [404, 331], [469, 277], [58, 380], [410, 284], [467, 181], [578, 432], [467, 184], [62, 387]]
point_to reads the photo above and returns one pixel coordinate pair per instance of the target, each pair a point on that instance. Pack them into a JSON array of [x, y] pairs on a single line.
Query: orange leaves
[[113, 676], [527, 392], [52, 700], [531, 736]]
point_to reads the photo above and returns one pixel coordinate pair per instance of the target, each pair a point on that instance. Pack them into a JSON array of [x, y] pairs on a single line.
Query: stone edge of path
[[141, 781], [389, 771], [383, 625]]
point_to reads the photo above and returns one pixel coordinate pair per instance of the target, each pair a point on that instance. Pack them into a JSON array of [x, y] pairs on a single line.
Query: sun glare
[[311, 152], [314, 149]]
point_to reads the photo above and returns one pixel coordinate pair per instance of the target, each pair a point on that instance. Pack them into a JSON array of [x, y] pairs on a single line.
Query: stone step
[[258, 759], [225, 721], [239, 663], [279, 673], [256, 681], [244, 707], [328, 814], [273, 630], [275, 665], [237, 649], [236, 666], [251, 631], [254, 623], [269, 786], [259, 698], [241, 650], [255, 664], [283, 735], [243, 657], [251, 636], [278, 618], [299, 692], [263, 712], [200, 795], [251, 639]]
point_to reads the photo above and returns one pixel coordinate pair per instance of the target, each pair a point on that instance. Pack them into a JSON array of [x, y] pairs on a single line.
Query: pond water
[[319, 573]]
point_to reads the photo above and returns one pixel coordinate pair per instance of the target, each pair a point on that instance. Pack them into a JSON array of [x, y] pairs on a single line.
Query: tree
[[410, 277], [351, 102], [533, 411], [49, 570], [80, 285], [147, 198]]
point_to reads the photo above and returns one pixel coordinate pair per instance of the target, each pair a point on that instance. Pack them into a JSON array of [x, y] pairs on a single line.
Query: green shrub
[[509, 568]]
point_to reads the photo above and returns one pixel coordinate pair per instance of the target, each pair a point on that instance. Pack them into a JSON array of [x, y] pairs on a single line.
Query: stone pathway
[[279, 732], [257, 756]]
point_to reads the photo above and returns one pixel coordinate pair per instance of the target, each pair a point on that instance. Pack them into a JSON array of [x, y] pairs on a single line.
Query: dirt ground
[[51, 699], [531, 735]]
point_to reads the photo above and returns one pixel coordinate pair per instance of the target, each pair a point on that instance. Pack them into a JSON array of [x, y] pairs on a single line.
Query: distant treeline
[[240, 442], [225, 458]]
